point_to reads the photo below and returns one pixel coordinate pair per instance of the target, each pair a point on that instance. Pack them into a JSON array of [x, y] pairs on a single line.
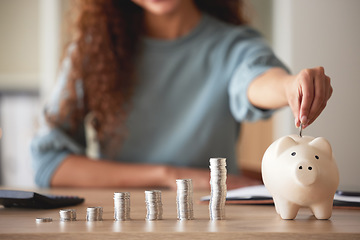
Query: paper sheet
[[261, 191]]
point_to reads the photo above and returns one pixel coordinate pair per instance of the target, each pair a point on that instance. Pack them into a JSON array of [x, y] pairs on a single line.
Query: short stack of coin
[[184, 199], [218, 188], [43, 220], [153, 205], [94, 214], [67, 215], [121, 206]]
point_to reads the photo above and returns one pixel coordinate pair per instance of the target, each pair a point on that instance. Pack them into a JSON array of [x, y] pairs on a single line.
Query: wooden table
[[243, 222]]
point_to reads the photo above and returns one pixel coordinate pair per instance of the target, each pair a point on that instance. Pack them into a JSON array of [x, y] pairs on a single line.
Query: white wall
[[50, 41], [19, 44], [29, 44], [310, 33]]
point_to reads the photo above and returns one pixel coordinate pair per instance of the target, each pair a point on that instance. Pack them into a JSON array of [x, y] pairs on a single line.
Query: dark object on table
[[24, 199]]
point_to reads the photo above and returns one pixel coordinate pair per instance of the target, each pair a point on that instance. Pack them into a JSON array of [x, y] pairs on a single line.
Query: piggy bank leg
[[286, 209], [323, 210], [276, 205]]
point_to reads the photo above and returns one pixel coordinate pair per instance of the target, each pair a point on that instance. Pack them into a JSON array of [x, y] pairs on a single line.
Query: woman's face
[[161, 7]]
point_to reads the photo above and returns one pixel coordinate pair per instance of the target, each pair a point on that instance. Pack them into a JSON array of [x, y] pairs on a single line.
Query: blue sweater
[[190, 100]]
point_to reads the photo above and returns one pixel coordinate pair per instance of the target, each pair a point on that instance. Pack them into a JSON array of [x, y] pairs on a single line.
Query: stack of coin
[[218, 188], [94, 214], [121, 206], [153, 205], [184, 199], [67, 215]]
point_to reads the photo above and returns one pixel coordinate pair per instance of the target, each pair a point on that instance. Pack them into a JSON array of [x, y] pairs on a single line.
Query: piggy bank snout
[[306, 173]]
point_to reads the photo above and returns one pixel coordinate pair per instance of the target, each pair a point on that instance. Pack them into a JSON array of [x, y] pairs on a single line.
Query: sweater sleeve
[[254, 57], [48, 149], [50, 146]]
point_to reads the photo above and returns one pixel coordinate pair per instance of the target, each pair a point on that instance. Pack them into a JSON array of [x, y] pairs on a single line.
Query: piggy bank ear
[[283, 144], [321, 144]]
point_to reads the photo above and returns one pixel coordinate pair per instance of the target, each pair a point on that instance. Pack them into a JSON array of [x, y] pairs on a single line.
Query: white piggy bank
[[301, 172]]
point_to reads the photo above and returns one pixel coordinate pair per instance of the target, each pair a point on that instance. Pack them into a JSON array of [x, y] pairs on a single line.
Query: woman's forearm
[[268, 90], [80, 171]]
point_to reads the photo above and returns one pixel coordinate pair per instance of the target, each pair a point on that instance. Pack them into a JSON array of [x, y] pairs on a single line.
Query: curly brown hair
[[106, 34]]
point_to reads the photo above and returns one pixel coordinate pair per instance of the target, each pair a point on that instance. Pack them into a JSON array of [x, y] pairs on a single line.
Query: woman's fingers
[[308, 93], [321, 97], [313, 90]]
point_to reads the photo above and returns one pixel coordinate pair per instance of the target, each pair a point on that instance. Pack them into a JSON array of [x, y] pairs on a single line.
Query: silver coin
[[43, 220], [94, 214], [67, 215], [122, 206], [301, 129], [218, 175], [184, 199], [154, 205]]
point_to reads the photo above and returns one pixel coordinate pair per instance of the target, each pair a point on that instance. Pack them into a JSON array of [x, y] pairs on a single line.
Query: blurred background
[[303, 33]]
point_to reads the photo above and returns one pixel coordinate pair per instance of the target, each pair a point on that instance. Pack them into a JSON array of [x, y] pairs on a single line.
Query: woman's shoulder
[[225, 30], [230, 42]]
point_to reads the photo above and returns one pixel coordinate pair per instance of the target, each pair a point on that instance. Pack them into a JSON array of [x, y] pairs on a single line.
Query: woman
[[167, 83]]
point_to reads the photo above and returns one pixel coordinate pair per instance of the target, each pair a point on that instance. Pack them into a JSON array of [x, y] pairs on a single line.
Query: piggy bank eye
[[293, 154], [316, 156]]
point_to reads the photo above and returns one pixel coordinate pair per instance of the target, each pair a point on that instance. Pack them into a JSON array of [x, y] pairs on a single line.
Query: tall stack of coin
[[94, 214], [67, 215], [184, 199], [218, 188], [121, 206], [153, 205]]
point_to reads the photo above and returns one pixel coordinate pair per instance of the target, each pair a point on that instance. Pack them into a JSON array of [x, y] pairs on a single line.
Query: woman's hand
[[307, 94]]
